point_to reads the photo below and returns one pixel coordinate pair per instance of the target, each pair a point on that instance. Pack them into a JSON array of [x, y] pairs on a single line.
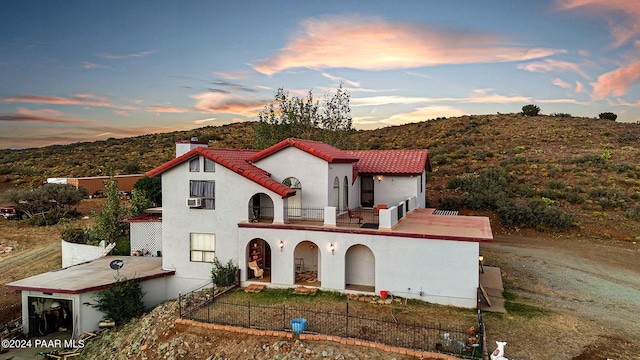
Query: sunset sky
[[89, 70]]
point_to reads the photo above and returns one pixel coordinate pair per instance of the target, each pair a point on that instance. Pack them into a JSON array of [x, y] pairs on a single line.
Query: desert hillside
[[587, 168]]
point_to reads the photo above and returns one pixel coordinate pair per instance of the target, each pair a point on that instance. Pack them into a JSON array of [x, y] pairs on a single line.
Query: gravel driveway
[[593, 285]]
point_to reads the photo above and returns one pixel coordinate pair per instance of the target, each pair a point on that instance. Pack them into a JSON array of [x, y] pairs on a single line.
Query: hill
[[589, 168]]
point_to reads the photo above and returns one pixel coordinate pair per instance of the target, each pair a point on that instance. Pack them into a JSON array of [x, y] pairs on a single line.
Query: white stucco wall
[[392, 189], [233, 193], [445, 271], [73, 254]]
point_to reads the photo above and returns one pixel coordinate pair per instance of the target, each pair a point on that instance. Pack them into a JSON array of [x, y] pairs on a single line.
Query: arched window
[[295, 202], [336, 192], [345, 193]]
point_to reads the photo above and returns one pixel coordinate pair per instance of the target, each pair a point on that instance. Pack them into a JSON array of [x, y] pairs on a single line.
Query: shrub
[[451, 203], [75, 235], [634, 213], [121, 302], [556, 184], [223, 275], [530, 110], [608, 116]]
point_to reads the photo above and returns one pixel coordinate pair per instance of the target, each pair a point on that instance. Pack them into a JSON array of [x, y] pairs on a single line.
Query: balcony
[[359, 217]]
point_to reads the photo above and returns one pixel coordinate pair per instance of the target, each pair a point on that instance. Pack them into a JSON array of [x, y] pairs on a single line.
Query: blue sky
[[89, 70]]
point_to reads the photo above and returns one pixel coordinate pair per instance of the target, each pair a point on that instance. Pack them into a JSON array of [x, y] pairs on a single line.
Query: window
[[205, 190], [202, 247], [209, 165], [194, 165]]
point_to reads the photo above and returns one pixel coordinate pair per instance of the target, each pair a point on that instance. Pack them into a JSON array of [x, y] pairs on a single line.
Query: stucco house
[[297, 213], [305, 213]]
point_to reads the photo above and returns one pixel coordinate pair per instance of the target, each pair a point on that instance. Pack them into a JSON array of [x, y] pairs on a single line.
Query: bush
[[51, 217], [121, 302], [451, 203], [531, 110], [75, 235], [608, 116], [223, 275]]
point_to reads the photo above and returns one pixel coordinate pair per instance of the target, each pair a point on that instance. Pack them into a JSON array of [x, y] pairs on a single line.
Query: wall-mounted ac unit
[[194, 202]]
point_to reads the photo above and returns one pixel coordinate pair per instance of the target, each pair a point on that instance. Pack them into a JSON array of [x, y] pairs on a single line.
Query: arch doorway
[[307, 264], [261, 208], [258, 255], [360, 269]]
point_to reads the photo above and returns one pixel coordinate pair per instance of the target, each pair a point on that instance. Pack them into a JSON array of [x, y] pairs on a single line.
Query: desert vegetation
[[550, 173]]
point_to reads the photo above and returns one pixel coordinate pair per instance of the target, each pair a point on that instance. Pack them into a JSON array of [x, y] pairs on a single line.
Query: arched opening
[[345, 193], [260, 208], [307, 264], [336, 192], [258, 254], [294, 207], [360, 269]]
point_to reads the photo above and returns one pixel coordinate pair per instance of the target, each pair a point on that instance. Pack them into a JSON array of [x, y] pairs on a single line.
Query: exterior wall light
[[281, 245], [332, 248], [480, 262], [379, 177]]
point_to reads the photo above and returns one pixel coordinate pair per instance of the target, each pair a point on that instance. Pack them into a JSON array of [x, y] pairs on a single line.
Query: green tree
[[531, 110], [305, 118], [139, 202], [60, 198], [608, 116], [121, 302], [108, 222], [152, 188]]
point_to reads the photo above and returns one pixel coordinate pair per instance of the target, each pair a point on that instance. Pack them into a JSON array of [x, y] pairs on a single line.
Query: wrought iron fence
[[433, 337], [304, 214], [365, 217]]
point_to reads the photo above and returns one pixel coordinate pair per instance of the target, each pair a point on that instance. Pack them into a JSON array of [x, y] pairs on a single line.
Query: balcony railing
[[304, 214], [362, 217]]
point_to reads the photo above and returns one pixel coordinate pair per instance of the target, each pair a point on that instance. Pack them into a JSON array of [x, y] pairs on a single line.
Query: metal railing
[[304, 214], [359, 215], [412, 335]]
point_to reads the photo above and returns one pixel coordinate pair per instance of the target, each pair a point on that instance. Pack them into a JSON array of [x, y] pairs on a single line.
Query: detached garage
[[61, 300]]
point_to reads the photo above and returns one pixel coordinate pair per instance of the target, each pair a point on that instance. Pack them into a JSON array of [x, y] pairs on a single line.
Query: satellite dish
[[116, 264]]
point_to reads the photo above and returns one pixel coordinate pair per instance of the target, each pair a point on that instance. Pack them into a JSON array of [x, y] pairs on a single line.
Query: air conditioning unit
[[194, 202]]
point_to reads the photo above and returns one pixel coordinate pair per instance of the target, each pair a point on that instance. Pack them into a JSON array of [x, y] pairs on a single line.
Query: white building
[[306, 213], [286, 208]]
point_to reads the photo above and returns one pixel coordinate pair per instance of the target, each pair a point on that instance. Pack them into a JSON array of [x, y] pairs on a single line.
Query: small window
[[206, 190], [194, 165], [202, 247], [209, 165]]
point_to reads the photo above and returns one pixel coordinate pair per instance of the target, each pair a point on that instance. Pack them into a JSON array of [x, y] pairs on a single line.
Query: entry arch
[[360, 269]]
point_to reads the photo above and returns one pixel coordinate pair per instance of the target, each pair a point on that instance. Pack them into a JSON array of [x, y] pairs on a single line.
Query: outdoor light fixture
[[379, 177], [480, 260], [332, 248], [281, 244]]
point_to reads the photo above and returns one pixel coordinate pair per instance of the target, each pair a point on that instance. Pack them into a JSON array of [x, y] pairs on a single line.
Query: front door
[[366, 191]]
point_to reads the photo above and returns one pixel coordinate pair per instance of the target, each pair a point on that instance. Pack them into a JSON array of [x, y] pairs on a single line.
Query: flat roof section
[[93, 275]]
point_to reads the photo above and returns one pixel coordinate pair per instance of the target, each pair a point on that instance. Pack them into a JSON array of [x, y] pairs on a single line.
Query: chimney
[[184, 146]]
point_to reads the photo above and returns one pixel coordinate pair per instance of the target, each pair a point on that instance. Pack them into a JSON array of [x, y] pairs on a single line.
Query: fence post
[[180, 304], [249, 308], [346, 327], [208, 312]]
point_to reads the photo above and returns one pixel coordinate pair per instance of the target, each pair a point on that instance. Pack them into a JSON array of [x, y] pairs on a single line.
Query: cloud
[[553, 65], [337, 79], [233, 75], [42, 116], [562, 101], [76, 99], [89, 65], [227, 84], [407, 100], [579, 87], [374, 44], [165, 109], [623, 16], [616, 82], [126, 56], [225, 102], [559, 82]]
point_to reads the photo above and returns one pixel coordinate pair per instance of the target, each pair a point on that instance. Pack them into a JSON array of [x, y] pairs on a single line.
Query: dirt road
[[592, 287]]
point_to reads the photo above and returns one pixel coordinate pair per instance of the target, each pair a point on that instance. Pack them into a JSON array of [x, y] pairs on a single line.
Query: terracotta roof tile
[[391, 162], [232, 159], [316, 148]]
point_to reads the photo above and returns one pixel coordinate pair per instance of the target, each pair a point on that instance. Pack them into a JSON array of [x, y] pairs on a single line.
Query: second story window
[[194, 165], [209, 165], [204, 190]]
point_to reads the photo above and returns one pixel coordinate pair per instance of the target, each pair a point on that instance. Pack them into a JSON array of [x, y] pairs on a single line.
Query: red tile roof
[[232, 159], [391, 162], [316, 148]]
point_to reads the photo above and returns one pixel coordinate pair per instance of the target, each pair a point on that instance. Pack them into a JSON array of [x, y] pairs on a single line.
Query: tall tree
[[305, 118], [109, 225]]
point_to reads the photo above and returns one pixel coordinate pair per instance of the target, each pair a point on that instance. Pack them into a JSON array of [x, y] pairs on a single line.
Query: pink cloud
[[372, 44], [559, 82], [623, 16], [165, 109], [126, 56], [579, 87], [616, 82], [76, 99], [225, 102], [553, 65]]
